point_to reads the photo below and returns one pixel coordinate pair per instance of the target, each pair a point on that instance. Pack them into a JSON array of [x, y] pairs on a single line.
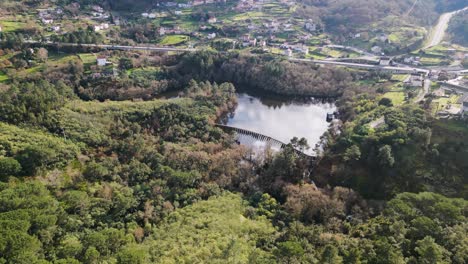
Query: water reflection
[[282, 118]]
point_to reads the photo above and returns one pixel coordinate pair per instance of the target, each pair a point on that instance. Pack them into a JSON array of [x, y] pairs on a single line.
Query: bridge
[[251, 136]]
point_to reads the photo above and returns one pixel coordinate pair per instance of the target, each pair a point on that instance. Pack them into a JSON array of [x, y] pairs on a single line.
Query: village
[[256, 26]]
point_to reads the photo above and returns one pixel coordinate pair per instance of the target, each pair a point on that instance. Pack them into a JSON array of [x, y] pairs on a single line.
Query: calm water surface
[[282, 118]]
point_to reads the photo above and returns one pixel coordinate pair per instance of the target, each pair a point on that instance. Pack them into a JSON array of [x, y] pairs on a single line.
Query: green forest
[[103, 171], [458, 28]]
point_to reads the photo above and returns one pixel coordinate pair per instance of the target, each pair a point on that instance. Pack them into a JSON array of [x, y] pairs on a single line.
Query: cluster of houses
[[149, 15], [103, 68], [98, 13], [52, 17], [464, 110], [167, 31], [49, 16], [248, 5], [247, 41], [99, 27], [415, 80], [413, 60], [300, 48], [310, 26]]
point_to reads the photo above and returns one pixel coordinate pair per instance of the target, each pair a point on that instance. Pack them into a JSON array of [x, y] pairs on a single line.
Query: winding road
[[438, 32]]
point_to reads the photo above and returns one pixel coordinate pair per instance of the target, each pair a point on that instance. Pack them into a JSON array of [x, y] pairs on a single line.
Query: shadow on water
[[281, 117]]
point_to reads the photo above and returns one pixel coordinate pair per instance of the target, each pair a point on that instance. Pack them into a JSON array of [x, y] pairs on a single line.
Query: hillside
[[458, 29]]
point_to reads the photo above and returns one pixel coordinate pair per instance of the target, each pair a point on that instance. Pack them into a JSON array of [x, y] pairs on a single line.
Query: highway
[[364, 66], [438, 33], [114, 47], [398, 68]]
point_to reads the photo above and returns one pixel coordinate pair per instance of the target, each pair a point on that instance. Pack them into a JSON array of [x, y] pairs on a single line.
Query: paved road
[[424, 91], [399, 67], [115, 47], [364, 66], [438, 33]]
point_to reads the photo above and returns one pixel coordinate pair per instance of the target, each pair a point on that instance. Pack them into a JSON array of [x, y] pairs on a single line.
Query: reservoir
[[281, 118]]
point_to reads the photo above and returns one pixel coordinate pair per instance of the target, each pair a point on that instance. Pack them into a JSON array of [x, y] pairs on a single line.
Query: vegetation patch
[[174, 39], [397, 98]]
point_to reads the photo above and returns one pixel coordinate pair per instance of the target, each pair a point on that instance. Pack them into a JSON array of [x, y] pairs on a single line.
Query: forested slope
[[90, 177]]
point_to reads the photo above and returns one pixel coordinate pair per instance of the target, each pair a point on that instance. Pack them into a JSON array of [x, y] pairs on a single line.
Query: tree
[[352, 153], [9, 167], [91, 255], [42, 54], [132, 255], [330, 255], [386, 102], [125, 63], [289, 252], [385, 156], [429, 252], [33, 158], [70, 247]]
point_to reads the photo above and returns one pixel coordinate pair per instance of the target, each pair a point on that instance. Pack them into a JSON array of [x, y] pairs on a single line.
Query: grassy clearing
[[87, 58], [443, 102], [11, 26], [174, 39], [248, 15], [431, 61], [3, 77], [399, 77], [398, 98]]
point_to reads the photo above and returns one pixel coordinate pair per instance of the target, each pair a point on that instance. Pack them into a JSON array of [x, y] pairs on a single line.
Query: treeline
[[40, 226], [405, 151], [458, 29], [265, 73], [154, 181], [83, 36]]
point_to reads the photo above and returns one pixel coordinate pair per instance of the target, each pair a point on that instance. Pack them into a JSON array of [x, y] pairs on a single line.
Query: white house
[[211, 35], [144, 14], [416, 80], [376, 49], [385, 61], [162, 31], [465, 106], [101, 61], [97, 8], [47, 20], [56, 28], [301, 48], [310, 26], [178, 12], [288, 52], [212, 20], [152, 15], [383, 37]]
